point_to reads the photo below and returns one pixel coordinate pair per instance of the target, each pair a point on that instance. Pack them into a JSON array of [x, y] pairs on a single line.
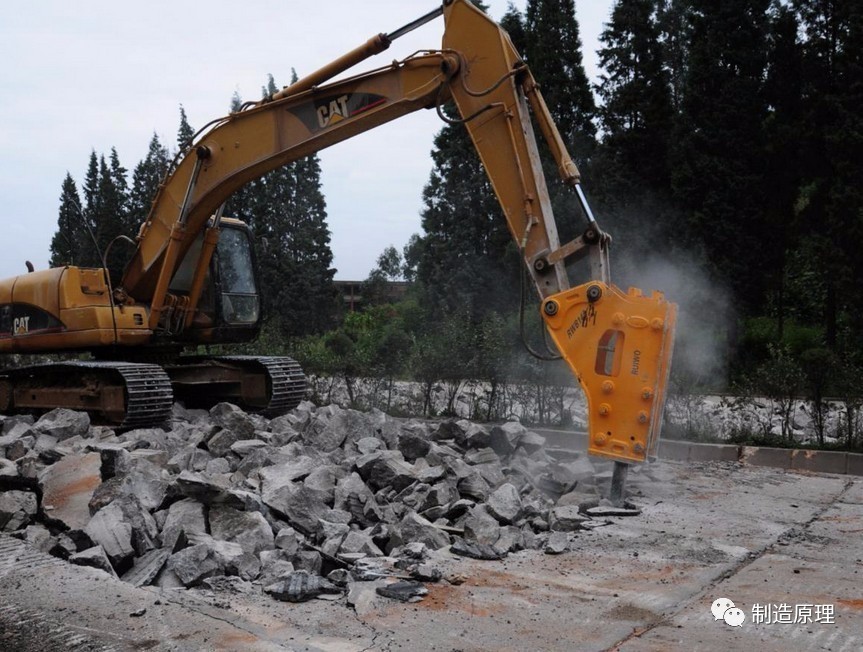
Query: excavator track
[[269, 385], [121, 394]]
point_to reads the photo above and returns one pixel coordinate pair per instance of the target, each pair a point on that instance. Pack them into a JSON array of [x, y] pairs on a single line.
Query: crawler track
[[122, 394], [266, 384]]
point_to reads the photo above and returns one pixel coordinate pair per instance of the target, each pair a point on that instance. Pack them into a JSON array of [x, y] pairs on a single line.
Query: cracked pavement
[[752, 535]]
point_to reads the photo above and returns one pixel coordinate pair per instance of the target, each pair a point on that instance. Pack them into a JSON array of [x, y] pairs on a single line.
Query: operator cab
[[230, 306]]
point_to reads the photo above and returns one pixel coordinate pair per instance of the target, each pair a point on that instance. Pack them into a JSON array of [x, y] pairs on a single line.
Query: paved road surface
[[756, 536]]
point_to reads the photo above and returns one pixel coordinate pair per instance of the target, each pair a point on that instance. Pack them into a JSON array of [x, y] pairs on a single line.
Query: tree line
[[722, 139], [285, 209]]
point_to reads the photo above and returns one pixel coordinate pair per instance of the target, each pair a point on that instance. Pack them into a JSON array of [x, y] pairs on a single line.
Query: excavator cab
[[229, 309]]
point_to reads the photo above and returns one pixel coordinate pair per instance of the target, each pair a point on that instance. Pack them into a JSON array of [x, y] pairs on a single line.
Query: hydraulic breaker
[[619, 347]]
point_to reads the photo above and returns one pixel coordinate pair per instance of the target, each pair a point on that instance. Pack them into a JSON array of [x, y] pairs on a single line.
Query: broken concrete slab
[[68, 487], [403, 591], [557, 543], [504, 504], [566, 518], [386, 469], [142, 479], [603, 511], [220, 443], [475, 550], [196, 563], [415, 528], [62, 423], [183, 517], [249, 529], [300, 586], [147, 567], [230, 417], [301, 506], [413, 445], [94, 557], [16, 509], [109, 529], [356, 541]]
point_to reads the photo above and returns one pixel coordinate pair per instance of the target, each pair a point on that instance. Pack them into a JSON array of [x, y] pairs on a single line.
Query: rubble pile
[[304, 505]]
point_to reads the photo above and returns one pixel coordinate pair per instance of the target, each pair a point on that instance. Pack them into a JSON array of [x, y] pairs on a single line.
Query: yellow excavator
[[192, 277]]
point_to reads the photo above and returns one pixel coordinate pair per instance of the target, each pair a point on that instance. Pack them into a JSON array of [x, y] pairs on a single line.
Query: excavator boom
[[618, 344]]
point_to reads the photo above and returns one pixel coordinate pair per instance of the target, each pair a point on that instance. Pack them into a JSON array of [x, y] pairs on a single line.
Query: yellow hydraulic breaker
[[619, 347]]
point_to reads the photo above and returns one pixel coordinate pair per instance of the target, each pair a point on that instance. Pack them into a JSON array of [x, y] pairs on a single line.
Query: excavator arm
[[618, 344]]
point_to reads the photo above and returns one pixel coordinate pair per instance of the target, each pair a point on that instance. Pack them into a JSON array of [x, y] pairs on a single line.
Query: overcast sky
[[93, 74]]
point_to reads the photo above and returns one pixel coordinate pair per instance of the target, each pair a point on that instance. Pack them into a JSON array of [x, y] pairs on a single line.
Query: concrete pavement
[[754, 535]]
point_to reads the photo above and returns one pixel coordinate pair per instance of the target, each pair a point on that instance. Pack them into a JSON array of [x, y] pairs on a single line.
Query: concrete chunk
[[94, 557], [504, 503], [194, 564], [249, 529], [147, 568], [110, 530], [476, 550], [62, 423], [386, 469], [301, 506], [184, 517], [567, 518], [230, 417], [67, 488], [16, 509], [300, 586], [403, 591], [481, 527], [415, 528]]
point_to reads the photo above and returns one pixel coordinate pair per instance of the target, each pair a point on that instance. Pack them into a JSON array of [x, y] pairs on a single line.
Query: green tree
[[464, 259], [631, 168], [65, 245], [389, 268], [185, 133], [553, 52], [636, 113], [719, 147], [286, 211], [782, 127], [146, 179], [831, 201]]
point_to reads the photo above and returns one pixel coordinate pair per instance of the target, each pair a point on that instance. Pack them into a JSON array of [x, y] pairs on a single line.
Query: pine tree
[[719, 144], [636, 114], [552, 49], [831, 200], [513, 23], [782, 126], [462, 260], [185, 133], [115, 187], [146, 178], [553, 52], [631, 169], [674, 20], [67, 239], [286, 211], [88, 238]]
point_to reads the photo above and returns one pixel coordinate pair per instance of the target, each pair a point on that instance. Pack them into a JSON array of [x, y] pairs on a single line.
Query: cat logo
[[21, 325], [333, 111]]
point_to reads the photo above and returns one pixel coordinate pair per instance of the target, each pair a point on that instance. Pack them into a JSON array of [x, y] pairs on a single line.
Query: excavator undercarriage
[[130, 395]]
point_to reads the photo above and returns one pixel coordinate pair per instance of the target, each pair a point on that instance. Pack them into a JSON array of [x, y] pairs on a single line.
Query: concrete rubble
[[312, 504]]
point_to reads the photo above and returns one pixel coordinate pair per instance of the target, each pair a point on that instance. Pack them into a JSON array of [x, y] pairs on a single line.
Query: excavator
[[192, 280]]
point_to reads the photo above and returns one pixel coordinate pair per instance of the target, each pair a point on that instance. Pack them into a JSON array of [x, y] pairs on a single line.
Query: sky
[[96, 74]]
